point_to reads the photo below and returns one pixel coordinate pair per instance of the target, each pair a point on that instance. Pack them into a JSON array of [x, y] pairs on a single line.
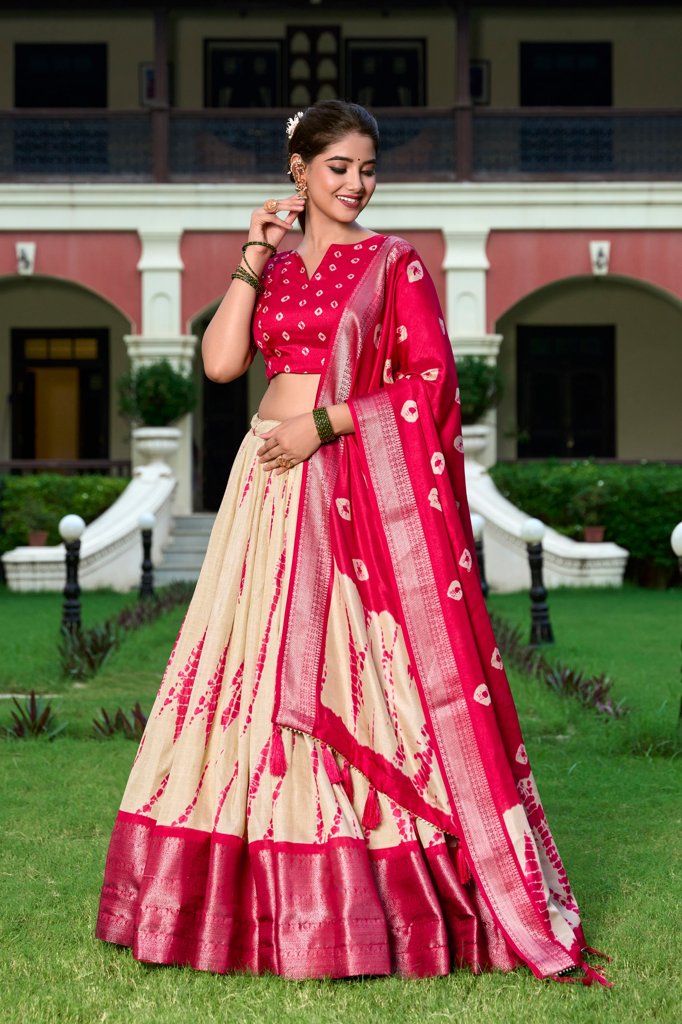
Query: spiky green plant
[[33, 717]]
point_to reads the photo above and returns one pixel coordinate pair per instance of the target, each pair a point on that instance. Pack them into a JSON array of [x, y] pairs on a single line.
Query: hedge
[[637, 504], [39, 501]]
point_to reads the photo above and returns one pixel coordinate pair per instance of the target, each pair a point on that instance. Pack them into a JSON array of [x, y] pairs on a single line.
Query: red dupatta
[[387, 507]]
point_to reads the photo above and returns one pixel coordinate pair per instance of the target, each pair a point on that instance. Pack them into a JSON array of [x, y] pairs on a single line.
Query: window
[[243, 73], [60, 75], [566, 391], [566, 74], [386, 72]]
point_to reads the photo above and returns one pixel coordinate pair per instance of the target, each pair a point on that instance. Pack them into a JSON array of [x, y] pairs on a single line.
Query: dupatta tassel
[[591, 951], [461, 866], [331, 766], [347, 780], [278, 759], [371, 816], [589, 976]]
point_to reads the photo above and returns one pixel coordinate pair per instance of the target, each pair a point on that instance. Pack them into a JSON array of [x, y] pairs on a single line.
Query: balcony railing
[[76, 145], [418, 144], [596, 143]]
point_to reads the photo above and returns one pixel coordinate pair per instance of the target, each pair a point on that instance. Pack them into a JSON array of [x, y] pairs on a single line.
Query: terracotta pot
[[37, 538], [593, 534]]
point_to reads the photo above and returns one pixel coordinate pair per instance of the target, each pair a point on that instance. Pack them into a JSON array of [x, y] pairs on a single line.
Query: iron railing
[[418, 144], [598, 143], [75, 145], [250, 145]]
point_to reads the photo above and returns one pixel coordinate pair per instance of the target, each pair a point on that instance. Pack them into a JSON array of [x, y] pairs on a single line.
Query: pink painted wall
[[210, 257], [523, 261], [105, 262]]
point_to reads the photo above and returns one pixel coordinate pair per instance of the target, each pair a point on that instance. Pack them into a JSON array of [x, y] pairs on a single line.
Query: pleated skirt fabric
[[217, 862]]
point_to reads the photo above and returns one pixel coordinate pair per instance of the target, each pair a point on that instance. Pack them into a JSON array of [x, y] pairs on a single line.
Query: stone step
[[188, 542], [163, 576], [182, 559], [186, 549], [201, 523]]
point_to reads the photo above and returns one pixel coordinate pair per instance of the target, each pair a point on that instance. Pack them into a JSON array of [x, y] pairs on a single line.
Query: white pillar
[[466, 266], [162, 338]]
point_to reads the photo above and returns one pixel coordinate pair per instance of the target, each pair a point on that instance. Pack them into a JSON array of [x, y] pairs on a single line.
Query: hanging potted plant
[[480, 389], [153, 397]]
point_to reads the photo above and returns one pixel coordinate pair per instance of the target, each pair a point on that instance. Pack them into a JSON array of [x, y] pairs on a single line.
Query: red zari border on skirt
[[338, 909]]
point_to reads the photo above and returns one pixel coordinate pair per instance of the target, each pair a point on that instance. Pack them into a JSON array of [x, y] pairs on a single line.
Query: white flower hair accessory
[[292, 122]]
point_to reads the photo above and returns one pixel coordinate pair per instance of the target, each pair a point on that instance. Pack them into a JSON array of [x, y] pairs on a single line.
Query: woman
[[332, 780]]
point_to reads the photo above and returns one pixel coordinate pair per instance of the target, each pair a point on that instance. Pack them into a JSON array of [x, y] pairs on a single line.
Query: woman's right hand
[[269, 227]]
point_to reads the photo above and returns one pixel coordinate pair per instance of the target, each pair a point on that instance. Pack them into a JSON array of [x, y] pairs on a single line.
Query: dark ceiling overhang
[[254, 7]]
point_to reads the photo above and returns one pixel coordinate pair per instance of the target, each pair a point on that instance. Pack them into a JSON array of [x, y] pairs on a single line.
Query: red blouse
[[297, 316]]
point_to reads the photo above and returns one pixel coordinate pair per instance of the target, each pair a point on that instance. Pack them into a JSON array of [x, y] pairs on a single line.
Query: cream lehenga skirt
[[215, 861]]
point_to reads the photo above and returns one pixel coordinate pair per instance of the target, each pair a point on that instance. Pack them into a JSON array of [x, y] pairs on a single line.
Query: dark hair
[[327, 122]]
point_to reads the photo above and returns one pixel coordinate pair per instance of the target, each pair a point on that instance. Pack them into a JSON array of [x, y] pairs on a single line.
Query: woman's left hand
[[295, 440]]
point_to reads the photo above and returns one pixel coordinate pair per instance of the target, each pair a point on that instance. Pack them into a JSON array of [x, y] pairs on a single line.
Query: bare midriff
[[289, 394]]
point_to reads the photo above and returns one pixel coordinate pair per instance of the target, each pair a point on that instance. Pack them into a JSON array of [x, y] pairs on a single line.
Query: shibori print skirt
[[217, 862]]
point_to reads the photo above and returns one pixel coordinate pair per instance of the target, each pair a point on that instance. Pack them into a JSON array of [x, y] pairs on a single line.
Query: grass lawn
[[616, 819], [632, 634]]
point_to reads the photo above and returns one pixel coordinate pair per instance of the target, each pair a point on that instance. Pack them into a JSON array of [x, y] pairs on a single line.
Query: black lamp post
[[478, 526], [70, 530], [676, 544], [532, 532], [146, 523]]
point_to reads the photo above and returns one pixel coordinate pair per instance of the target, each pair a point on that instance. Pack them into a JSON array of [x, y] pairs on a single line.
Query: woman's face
[[342, 178]]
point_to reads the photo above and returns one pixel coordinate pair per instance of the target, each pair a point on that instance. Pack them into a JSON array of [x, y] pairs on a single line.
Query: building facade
[[532, 153]]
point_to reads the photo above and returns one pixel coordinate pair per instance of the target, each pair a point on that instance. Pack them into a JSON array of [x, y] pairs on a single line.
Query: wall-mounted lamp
[[600, 254], [26, 257]]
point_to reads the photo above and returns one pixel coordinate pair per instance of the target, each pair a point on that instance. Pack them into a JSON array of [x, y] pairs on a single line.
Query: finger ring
[[270, 206], [283, 462]]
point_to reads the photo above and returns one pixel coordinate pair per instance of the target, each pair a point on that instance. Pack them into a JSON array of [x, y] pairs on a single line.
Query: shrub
[[590, 691], [82, 652], [156, 395], [33, 718], [637, 504], [480, 387], [109, 725], [39, 502]]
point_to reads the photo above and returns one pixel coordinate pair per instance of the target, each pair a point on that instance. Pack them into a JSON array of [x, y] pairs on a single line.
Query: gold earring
[[296, 171]]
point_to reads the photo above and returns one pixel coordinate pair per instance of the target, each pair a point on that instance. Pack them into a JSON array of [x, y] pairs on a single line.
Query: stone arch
[[48, 302], [648, 359]]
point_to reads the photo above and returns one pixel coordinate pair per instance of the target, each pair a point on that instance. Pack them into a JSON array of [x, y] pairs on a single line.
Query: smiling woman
[[332, 781]]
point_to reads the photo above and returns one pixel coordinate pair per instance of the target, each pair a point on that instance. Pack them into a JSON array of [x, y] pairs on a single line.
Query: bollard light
[[478, 526], [532, 532], [146, 522], [70, 530], [676, 541]]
